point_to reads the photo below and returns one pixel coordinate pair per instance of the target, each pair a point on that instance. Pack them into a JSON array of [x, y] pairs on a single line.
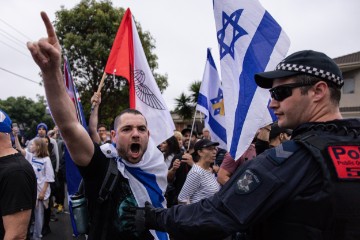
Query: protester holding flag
[[93, 121], [141, 169]]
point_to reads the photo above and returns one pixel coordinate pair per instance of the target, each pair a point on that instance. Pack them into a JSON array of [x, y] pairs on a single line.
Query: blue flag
[[73, 176], [211, 102], [250, 41]]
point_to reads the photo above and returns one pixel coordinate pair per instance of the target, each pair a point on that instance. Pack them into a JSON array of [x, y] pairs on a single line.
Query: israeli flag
[[211, 102], [250, 41], [147, 178]]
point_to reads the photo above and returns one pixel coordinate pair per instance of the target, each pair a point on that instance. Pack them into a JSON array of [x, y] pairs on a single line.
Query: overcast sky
[[183, 30]]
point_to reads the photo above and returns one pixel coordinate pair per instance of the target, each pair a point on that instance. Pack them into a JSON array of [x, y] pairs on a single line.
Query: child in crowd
[[38, 156]]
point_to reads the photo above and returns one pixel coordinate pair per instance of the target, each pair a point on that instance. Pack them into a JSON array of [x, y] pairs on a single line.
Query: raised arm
[[93, 121], [17, 143], [47, 55]]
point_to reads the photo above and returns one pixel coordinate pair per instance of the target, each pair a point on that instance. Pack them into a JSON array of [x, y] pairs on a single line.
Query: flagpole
[[192, 129], [99, 89]]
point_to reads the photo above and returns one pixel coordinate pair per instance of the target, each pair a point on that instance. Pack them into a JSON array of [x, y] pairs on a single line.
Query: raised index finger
[[49, 27]]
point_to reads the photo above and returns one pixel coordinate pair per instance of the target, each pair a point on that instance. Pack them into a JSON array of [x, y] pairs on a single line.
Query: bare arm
[[16, 225], [47, 55], [17, 143], [172, 171], [223, 176], [93, 121]]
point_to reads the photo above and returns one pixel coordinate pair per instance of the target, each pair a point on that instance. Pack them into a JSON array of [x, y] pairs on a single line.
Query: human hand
[[187, 158], [215, 168], [47, 51], [15, 131], [96, 99], [176, 164], [133, 219], [41, 196]]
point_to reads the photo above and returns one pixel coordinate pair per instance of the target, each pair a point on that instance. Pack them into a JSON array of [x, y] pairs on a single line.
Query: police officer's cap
[[303, 62]]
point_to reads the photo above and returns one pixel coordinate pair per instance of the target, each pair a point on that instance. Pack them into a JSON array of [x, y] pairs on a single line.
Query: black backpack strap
[[109, 181]]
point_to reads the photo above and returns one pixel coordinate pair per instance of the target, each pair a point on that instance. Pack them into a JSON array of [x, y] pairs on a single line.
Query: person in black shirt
[[17, 186]]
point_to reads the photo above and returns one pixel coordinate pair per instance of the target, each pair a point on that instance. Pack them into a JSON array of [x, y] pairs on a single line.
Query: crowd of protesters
[[197, 167], [220, 199]]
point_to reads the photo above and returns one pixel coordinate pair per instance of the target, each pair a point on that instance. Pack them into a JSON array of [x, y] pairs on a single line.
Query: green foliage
[[86, 34], [184, 107], [27, 113], [194, 91]]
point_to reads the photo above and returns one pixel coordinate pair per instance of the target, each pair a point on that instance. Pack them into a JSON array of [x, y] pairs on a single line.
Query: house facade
[[350, 95]]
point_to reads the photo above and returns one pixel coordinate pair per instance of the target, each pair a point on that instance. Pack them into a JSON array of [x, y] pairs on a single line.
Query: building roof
[[348, 62]]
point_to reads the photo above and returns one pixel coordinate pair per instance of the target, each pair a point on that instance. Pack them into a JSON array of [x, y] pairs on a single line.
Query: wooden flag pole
[[99, 89]]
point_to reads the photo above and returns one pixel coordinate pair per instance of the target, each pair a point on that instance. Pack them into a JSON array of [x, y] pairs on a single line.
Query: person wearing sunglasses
[[305, 188]]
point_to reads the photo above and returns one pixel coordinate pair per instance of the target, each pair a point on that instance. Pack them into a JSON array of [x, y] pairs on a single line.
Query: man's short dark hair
[[130, 111], [101, 125], [335, 91]]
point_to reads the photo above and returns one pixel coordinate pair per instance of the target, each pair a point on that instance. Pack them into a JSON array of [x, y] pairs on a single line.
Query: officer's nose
[[273, 104]]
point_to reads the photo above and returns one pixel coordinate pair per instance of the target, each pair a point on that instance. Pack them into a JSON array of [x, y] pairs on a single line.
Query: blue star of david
[[217, 100], [237, 32]]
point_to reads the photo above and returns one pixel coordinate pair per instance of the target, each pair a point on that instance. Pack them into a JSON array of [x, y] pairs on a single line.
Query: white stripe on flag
[[149, 100]]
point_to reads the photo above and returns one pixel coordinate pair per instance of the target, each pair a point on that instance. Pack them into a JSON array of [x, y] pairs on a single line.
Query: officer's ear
[[320, 90]]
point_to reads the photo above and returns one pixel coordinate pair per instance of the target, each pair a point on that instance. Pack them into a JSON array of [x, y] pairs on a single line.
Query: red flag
[[121, 58], [127, 59]]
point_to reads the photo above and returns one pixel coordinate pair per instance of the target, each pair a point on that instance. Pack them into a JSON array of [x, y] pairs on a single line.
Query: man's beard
[[123, 153]]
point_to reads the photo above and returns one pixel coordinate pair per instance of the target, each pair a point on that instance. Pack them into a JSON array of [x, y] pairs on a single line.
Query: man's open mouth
[[135, 148]]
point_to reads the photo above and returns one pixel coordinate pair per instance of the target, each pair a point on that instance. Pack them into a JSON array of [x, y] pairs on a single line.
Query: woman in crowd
[[201, 181], [170, 148]]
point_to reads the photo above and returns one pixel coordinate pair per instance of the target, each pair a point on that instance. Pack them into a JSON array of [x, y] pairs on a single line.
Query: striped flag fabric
[[250, 41], [211, 102], [73, 176], [127, 59]]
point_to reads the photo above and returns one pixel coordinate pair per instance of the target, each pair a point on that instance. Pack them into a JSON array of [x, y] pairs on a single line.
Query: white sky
[[183, 30]]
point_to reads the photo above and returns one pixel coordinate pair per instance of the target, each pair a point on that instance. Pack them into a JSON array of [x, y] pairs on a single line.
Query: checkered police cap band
[[303, 62], [312, 71]]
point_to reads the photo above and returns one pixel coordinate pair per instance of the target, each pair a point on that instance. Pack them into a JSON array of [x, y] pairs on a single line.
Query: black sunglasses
[[282, 92]]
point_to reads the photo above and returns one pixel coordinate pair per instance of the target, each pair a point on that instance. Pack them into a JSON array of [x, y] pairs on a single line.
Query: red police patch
[[346, 160]]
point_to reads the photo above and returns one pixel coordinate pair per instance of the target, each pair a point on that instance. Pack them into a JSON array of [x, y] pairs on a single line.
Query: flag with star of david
[[250, 41], [211, 102]]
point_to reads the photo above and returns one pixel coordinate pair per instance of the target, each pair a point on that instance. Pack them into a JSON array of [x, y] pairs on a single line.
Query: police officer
[[305, 188]]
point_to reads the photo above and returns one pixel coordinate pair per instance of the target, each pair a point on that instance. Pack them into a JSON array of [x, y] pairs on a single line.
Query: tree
[[86, 34], [184, 107], [194, 91], [27, 113]]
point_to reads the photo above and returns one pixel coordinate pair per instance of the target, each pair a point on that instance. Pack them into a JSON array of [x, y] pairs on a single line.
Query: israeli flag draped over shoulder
[[211, 102], [250, 41], [147, 178]]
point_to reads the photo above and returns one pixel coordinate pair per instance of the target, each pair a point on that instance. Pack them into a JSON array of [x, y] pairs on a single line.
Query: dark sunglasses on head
[[282, 92]]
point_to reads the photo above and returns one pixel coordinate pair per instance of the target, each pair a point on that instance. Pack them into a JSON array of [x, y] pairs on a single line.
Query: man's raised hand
[[47, 51]]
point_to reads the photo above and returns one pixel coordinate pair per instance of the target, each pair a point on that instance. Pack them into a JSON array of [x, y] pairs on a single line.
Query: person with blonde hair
[[38, 157], [179, 138]]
